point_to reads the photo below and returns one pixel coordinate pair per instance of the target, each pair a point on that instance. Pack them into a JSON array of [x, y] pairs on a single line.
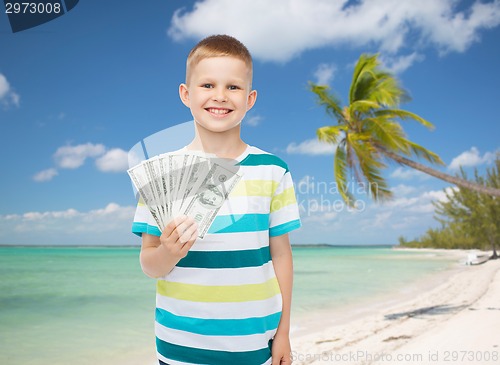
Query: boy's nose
[[219, 95]]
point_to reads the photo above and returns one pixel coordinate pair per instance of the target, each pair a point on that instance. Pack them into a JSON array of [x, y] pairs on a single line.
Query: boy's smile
[[218, 93]]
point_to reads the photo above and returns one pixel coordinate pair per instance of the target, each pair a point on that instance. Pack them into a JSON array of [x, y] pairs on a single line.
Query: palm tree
[[368, 134]]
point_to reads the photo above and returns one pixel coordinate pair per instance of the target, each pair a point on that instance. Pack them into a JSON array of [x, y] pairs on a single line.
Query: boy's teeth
[[218, 111]]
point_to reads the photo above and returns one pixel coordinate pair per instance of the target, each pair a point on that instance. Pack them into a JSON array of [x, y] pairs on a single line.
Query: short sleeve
[[284, 216], [144, 221]]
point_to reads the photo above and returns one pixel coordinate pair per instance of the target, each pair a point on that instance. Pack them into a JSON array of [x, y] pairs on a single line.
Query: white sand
[[454, 321]]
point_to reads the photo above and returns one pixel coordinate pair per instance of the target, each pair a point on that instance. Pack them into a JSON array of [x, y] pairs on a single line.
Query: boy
[[225, 300]]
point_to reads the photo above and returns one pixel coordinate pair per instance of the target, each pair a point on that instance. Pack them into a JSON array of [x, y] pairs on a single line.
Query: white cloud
[[115, 160], [403, 189], [72, 157], [287, 28], [418, 204], [399, 64], [7, 95], [407, 173], [45, 175], [311, 147], [471, 158], [70, 220], [324, 73], [253, 121]]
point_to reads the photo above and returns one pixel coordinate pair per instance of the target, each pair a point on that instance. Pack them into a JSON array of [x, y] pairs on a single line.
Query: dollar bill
[[184, 183], [211, 195]]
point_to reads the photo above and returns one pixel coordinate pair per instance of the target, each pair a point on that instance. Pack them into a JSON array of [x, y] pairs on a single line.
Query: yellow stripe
[[218, 293], [255, 188], [286, 198]]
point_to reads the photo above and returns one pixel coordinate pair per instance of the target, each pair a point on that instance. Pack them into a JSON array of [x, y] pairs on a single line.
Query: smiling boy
[[225, 299]]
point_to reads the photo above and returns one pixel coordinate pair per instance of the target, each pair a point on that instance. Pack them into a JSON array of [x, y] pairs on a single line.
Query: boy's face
[[218, 93]]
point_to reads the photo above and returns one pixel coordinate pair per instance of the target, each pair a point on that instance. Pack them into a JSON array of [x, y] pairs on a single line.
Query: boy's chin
[[218, 127]]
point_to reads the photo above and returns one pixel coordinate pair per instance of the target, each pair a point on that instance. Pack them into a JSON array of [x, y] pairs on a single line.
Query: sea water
[[94, 306]]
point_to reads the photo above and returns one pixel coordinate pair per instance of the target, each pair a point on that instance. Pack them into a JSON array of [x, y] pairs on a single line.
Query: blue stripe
[[263, 159], [212, 357], [226, 259], [284, 228], [240, 223], [218, 327], [139, 228]]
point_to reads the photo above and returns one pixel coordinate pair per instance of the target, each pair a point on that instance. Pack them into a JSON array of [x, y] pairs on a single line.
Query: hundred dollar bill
[[144, 187], [213, 191]]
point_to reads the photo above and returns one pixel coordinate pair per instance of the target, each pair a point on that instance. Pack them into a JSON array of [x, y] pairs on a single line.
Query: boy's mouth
[[218, 111]]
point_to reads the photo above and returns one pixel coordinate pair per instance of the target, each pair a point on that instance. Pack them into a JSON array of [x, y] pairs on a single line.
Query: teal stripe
[[284, 228], [240, 223], [139, 228], [218, 327], [226, 259], [263, 159], [212, 357]]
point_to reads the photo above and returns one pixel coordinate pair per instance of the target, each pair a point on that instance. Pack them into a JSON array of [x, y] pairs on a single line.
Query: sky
[[77, 93]]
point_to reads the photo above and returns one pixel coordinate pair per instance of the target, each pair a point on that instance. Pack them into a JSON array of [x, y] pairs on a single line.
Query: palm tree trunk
[[440, 175], [494, 256]]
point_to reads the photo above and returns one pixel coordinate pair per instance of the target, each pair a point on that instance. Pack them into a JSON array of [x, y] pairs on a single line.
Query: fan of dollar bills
[[184, 183]]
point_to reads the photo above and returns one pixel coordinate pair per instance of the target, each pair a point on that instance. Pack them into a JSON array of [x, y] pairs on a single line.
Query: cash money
[[185, 183]]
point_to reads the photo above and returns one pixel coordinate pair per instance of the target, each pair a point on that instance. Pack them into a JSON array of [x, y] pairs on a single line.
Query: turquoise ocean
[[94, 306]]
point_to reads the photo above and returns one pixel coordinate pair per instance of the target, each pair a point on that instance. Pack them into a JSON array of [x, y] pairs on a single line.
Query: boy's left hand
[[281, 350]]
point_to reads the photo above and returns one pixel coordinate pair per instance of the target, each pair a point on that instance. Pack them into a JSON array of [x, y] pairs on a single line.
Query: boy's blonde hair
[[218, 46]]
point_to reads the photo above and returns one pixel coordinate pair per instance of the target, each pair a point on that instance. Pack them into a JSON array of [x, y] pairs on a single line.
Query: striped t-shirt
[[221, 304]]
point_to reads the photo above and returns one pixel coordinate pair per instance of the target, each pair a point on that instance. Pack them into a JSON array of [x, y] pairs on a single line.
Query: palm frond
[[364, 106], [424, 153], [387, 91], [364, 64], [340, 171], [387, 133], [371, 82], [331, 133], [332, 104], [370, 164], [403, 115]]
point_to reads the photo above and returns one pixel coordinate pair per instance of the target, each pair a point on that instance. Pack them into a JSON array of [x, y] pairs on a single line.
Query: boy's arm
[[160, 254], [281, 254]]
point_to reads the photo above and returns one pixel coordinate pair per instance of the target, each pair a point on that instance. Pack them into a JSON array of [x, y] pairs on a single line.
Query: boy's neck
[[225, 145]]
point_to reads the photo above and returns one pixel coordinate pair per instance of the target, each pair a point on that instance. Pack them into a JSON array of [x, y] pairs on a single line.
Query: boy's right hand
[[179, 236]]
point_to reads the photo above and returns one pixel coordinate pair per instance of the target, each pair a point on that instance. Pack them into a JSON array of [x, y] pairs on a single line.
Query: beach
[[351, 305], [454, 320]]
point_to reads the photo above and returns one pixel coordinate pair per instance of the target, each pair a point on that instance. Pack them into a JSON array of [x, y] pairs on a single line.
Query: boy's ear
[[252, 98], [184, 94]]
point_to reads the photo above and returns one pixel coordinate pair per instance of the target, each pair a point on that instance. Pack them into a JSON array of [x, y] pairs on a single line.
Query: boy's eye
[[233, 87], [207, 86]]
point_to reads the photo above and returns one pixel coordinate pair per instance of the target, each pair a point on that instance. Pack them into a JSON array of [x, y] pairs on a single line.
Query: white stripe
[[246, 204], [284, 215], [262, 172], [232, 241], [143, 215], [225, 310], [257, 151], [217, 343], [237, 276]]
